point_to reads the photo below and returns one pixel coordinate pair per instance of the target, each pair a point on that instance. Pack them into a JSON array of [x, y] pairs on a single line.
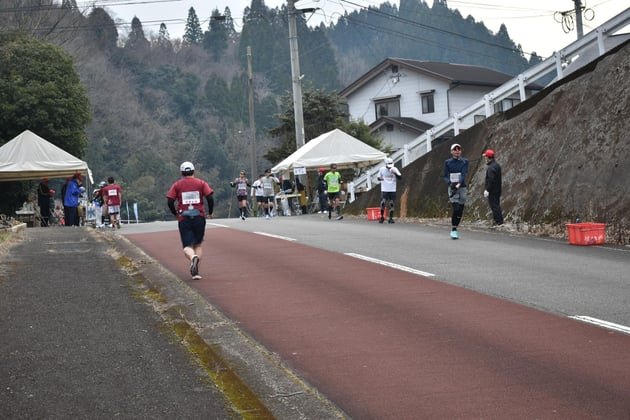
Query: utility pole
[[567, 21], [578, 18], [298, 111], [252, 125]]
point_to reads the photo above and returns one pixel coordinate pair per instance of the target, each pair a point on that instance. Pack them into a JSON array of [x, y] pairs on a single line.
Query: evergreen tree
[[322, 113], [69, 4], [215, 40], [163, 42], [193, 34], [137, 41], [101, 28], [52, 101], [229, 24]]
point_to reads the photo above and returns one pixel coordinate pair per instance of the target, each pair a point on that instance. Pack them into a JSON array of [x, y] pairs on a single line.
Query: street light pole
[[298, 112], [252, 125]]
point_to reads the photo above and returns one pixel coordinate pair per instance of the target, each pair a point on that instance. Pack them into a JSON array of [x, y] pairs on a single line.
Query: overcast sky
[[531, 24]]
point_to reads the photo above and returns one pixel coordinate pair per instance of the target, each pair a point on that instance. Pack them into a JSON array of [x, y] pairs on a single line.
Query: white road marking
[[390, 264], [275, 236], [602, 323], [217, 225]]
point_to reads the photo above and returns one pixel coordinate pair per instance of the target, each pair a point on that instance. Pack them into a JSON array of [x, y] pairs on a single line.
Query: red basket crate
[[586, 233], [374, 213]]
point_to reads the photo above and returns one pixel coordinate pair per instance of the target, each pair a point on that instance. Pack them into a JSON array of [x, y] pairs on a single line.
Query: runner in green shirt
[[333, 182]]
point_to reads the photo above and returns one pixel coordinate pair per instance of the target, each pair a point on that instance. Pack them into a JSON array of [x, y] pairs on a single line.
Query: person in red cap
[[43, 195], [493, 187], [322, 191]]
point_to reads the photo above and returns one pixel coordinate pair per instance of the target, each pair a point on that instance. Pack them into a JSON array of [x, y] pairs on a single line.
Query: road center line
[[390, 264], [275, 236], [602, 323]]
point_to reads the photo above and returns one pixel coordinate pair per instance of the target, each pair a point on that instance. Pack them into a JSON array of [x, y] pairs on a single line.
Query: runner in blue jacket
[[455, 171]]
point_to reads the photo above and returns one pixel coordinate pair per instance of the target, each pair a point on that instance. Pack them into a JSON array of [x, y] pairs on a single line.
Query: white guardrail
[[558, 63]]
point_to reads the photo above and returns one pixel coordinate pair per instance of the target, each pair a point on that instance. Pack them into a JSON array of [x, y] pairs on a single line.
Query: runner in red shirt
[[112, 195], [189, 192]]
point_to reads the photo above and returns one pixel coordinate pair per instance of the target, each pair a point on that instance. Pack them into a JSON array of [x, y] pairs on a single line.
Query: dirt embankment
[[565, 154]]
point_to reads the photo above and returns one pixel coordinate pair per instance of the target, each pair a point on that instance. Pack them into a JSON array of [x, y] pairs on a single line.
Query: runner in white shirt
[[388, 175], [269, 182], [258, 194]]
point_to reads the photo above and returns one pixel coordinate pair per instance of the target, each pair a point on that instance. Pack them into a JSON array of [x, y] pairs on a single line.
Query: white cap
[[455, 145], [186, 166]]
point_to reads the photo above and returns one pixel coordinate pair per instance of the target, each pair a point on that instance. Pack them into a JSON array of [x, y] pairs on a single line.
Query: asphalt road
[[539, 272], [429, 327]]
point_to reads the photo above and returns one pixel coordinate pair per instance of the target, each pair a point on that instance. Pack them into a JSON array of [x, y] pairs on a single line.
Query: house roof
[[405, 122], [462, 74]]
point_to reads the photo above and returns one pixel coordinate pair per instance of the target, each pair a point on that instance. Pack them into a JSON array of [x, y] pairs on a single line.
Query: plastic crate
[[586, 233], [374, 213]]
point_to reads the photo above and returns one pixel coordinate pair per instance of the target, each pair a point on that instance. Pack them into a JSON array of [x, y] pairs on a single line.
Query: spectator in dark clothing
[[302, 191], [322, 191], [43, 201], [493, 187]]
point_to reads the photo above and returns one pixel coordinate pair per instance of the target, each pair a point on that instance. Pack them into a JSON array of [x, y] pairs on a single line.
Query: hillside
[[564, 155]]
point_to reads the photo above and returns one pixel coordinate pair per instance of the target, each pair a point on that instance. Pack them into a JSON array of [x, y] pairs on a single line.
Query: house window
[[506, 104], [389, 108], [428, 104]]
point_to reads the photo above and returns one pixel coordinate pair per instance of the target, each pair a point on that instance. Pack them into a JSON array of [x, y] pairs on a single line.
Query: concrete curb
[[282, 391]]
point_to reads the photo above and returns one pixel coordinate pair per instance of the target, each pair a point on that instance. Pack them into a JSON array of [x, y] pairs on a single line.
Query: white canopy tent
[[29, 156], [332, 147]]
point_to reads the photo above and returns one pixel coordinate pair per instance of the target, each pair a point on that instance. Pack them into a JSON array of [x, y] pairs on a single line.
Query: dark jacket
[[321, 183], [456, 166], [493, 178]]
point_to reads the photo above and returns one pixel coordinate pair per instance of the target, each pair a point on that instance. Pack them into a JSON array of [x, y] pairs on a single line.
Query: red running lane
[[386, 344]]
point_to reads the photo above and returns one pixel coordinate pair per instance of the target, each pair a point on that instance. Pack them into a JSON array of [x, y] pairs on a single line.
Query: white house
[[402, 99]]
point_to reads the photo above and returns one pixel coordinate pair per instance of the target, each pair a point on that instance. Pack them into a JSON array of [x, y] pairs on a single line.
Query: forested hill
[[156, 101]]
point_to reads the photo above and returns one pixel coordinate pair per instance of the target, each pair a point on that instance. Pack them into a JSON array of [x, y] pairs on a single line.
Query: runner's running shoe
[[194, 266]]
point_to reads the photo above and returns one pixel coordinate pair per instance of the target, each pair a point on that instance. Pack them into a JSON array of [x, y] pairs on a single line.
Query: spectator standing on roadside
[[455, 171], [241, 184], [333, 187], [99, 200], [269, 182], [322, 189], [43, 201], [301, 189], [51, 206], [493, 187], [112, 194], [258, 194], [388, 175], [189, 193], [74, 189]]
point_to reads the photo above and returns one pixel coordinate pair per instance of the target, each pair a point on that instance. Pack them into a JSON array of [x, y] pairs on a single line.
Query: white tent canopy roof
[[29, 156], [332, 147]]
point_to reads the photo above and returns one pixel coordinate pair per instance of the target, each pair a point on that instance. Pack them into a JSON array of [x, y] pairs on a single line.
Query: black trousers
[[495, 205]]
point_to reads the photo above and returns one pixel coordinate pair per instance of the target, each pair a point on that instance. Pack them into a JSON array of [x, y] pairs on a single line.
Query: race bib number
[[455, 177], [191, 197], [112, 193]]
